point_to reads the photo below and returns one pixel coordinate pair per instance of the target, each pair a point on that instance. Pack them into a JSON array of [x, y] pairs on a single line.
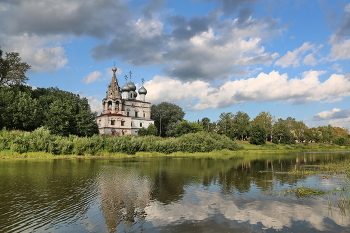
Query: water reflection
[[124, 196], [228, 212], [165, 194]]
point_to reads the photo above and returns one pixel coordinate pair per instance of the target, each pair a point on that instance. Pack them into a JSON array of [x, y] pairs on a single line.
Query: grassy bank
[[42, 144]]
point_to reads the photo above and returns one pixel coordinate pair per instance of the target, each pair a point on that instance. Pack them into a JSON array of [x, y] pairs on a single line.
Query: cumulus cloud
[[36, 29], [336, 113], [292, 58], [340, 51], [92, 77], [340, 45], [335, 117], [36, 52], [204, 48], [343, 29], [201, 47], [273, 86], [309, 60], [95, 103]]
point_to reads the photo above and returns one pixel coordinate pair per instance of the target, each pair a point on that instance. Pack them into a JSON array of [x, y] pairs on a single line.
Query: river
[[168, 194]]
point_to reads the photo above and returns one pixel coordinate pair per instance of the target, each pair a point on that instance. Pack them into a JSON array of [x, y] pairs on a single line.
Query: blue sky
[[290, 57]]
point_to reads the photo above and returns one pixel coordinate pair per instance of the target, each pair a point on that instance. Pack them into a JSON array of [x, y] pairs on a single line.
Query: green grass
[[299, 192], [304, 172]]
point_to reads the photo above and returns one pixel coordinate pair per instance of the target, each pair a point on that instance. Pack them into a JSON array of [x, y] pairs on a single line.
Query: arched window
[[109, 105], [117, 105]]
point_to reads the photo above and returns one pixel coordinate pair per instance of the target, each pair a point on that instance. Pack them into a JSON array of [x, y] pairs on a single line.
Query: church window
[[127, 113], [117, 105], [122, 123], [109, 105], [136, 113], [144, 114], [140, 124], [112, 122]]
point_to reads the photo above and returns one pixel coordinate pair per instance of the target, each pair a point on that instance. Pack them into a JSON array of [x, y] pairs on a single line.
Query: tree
[[12, 70], [152, 130], [183, 127], [226, 125], [164, 114], [265, 120], [85, 119], [241, 125], [206, 123], [257, 135], [281, 132]]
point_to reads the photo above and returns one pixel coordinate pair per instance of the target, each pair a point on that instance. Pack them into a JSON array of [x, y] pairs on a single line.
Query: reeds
[[41, 140]]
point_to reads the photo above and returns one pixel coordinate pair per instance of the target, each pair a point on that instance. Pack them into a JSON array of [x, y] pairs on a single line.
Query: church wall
[[122, 114]]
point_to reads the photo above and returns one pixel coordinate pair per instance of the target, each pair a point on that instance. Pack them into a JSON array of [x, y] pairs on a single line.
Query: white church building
[[122, 113]]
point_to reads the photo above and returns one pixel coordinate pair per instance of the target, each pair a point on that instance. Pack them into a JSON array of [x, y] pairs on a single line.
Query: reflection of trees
[[45, 193], [124, 196]]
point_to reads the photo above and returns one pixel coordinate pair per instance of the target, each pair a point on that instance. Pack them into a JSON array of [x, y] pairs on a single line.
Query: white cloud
[[200, 95], [335, 117], [92, 77], [270, 213], [309, 60], [293, 58], [34, 50], [336, 113], [337, 67], [49, 59], [340, 51], [95, 103]]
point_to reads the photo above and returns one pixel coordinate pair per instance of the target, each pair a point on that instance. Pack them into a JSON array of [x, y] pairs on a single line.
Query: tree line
[[62, 112], [263, 128]]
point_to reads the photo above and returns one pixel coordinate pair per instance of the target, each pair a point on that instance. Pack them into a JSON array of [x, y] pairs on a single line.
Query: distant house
[[122, 113]]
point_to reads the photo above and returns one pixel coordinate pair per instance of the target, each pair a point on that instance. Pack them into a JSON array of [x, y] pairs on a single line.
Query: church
[[122, 113]]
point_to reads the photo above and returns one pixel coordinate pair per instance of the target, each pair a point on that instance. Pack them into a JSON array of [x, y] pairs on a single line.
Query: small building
[[122, 113]]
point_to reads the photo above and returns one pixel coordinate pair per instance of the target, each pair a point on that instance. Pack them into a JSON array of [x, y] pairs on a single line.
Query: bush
[[341, 141]]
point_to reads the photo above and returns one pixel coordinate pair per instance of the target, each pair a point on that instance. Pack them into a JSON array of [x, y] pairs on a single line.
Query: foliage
[[63, 113], [226, 125], [241, 125], [299, 192], [282, 132], [257, 135], [151, 130], [183, 127], [164, 114], [41, 140], [12, 70], [266, 121], [341, 141]]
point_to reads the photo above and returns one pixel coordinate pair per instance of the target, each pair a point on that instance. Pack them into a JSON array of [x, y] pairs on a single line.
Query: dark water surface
[[167, 195]]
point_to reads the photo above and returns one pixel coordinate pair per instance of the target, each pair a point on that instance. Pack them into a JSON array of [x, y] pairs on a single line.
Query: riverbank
[[248, 150]]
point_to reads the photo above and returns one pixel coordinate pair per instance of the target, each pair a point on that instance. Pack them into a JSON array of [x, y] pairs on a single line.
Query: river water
[[168, 195]]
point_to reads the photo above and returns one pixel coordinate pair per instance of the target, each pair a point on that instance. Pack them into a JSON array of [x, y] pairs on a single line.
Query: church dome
[[142, 90], [125, 88], [132, 86]]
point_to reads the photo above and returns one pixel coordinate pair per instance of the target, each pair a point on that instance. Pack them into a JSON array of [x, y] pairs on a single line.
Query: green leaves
[[62, 112], [12, 70], [164, 114]]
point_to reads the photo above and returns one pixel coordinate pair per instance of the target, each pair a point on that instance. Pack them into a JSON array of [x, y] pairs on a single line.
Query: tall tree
[[281, 132], [164, 114], [241, 125], [265, 120], [257, 135], [12, 70], [225, 124]]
